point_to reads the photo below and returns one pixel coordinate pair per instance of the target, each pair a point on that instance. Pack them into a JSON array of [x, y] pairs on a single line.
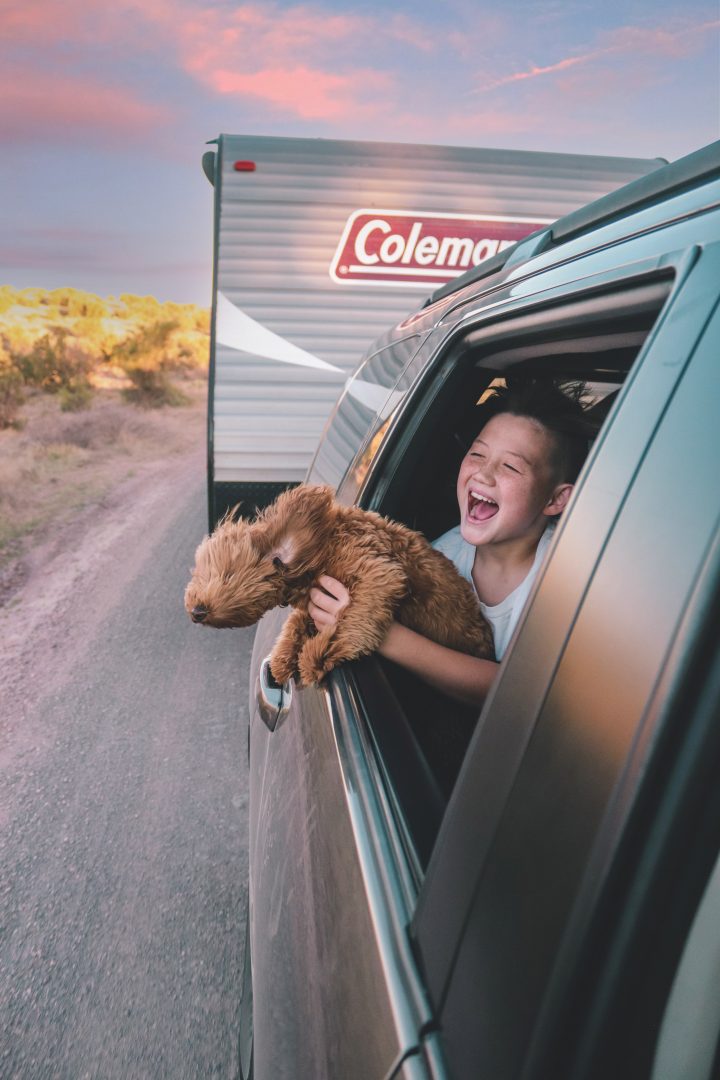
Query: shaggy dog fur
[[246, 568]]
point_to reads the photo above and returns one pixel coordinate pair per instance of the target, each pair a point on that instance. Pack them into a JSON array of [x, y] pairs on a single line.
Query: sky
[[105, 108]]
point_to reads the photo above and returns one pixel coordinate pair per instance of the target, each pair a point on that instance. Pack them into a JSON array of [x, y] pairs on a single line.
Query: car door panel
[[322, 997]]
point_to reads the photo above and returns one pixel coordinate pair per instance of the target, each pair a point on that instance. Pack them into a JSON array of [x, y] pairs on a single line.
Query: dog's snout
[[199, 613]]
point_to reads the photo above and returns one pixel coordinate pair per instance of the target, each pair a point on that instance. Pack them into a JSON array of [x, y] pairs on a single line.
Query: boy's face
[[507, 486]]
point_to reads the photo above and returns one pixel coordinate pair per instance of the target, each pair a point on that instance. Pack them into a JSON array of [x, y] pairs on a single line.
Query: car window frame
[[421, 380]]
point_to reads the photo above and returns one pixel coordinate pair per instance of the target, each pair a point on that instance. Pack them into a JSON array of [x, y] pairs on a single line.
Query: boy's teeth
[[480, 507]]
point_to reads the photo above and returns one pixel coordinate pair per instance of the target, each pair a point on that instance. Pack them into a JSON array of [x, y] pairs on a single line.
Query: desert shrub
[[11, 389], [189, 351], [60, 338], [146, 358], [56, 362], [73, 398], [93, 337], [8, 298], [75, 302], [145, 309], [202, 320], [17, 338]]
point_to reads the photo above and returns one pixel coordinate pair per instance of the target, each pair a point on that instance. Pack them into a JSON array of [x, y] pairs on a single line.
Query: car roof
[[683, 175]]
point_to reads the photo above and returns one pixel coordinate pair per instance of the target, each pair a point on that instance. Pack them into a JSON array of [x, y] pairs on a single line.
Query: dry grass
[[57, 463]]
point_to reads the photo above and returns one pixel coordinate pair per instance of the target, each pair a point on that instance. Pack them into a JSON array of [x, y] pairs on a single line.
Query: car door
[[556, 768]]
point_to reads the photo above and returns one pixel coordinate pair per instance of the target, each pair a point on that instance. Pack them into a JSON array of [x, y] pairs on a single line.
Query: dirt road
[[122, 800]]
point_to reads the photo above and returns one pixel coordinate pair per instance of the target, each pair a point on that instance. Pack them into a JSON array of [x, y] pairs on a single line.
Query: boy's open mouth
[[480, 507]]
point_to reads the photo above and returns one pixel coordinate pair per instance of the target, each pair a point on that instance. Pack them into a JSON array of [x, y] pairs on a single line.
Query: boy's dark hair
[[558, 408]]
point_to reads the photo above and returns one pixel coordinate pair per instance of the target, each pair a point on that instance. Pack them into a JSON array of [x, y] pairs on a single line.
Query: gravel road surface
[[123, 801]]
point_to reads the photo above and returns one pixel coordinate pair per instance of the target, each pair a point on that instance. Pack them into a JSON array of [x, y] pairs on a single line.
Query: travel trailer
[[319, 245]]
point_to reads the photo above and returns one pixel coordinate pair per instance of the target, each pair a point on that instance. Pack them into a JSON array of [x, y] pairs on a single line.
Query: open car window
[[420, 735]]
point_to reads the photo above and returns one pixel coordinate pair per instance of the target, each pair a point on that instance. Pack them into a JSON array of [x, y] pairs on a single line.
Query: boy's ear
[[558, 500]]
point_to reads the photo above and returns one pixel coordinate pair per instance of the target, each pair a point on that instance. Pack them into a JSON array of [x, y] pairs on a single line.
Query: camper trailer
[[321, 244]]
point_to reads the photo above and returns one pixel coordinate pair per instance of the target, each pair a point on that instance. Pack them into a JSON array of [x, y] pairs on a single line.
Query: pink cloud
[[305, 59], [296, 59], [74, 23], [308, 93], [549, 69], [72, 107], [680, 41]]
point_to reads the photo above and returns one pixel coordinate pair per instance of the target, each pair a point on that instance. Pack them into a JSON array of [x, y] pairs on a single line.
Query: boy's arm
[[465, 678]]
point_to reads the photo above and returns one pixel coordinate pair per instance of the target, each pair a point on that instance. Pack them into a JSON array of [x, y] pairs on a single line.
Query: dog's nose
[[199, 613]]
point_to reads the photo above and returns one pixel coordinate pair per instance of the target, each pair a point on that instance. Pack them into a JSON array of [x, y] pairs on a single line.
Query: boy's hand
[[328, 599]]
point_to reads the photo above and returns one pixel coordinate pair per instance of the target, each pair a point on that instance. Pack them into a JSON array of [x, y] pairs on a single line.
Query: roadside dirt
[[88, 525]]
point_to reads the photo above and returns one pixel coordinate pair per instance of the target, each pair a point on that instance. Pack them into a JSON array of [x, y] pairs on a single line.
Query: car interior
[[595, 339]]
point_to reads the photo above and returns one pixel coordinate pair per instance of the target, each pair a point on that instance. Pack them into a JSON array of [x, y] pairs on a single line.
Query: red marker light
[[244, 166]]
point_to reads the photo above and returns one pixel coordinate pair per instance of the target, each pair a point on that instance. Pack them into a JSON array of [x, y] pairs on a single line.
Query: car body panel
[[356, 1012]]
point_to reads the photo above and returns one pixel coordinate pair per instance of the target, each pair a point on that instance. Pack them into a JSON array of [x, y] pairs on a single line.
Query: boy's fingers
[[320, 617], [324, 608], [334, 588], [315, 613]]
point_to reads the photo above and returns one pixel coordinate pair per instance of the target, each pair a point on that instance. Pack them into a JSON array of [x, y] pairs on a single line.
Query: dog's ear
[[292, 530], [283, 552]]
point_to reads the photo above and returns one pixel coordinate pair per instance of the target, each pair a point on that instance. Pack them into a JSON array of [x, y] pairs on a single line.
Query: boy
[[513, 483]]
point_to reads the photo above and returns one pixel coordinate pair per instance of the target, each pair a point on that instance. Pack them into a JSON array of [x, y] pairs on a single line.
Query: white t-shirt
[[502, 617]]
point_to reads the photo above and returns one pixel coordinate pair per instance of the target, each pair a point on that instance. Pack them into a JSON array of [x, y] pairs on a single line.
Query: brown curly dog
[[245, 568]]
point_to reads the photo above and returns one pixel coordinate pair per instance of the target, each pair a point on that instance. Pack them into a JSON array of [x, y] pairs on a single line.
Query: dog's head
[[245, 568], [235, 579]]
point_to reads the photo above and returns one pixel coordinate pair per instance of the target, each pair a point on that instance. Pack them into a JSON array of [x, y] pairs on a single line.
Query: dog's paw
[[282, 669], [312, 669]]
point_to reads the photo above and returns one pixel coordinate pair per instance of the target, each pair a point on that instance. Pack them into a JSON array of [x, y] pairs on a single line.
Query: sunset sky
[[105, 108]]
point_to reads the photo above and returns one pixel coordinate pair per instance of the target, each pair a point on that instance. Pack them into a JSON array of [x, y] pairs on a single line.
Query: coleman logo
[[393, 248]]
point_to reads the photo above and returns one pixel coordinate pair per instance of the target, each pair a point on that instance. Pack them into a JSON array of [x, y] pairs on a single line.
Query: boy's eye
[[511, 467]]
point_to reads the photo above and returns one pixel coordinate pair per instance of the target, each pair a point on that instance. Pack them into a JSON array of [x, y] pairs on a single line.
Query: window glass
[[365, 395]]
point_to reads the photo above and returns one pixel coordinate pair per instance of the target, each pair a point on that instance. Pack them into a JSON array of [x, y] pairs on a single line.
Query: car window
[[366, 394], [414, 480]]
